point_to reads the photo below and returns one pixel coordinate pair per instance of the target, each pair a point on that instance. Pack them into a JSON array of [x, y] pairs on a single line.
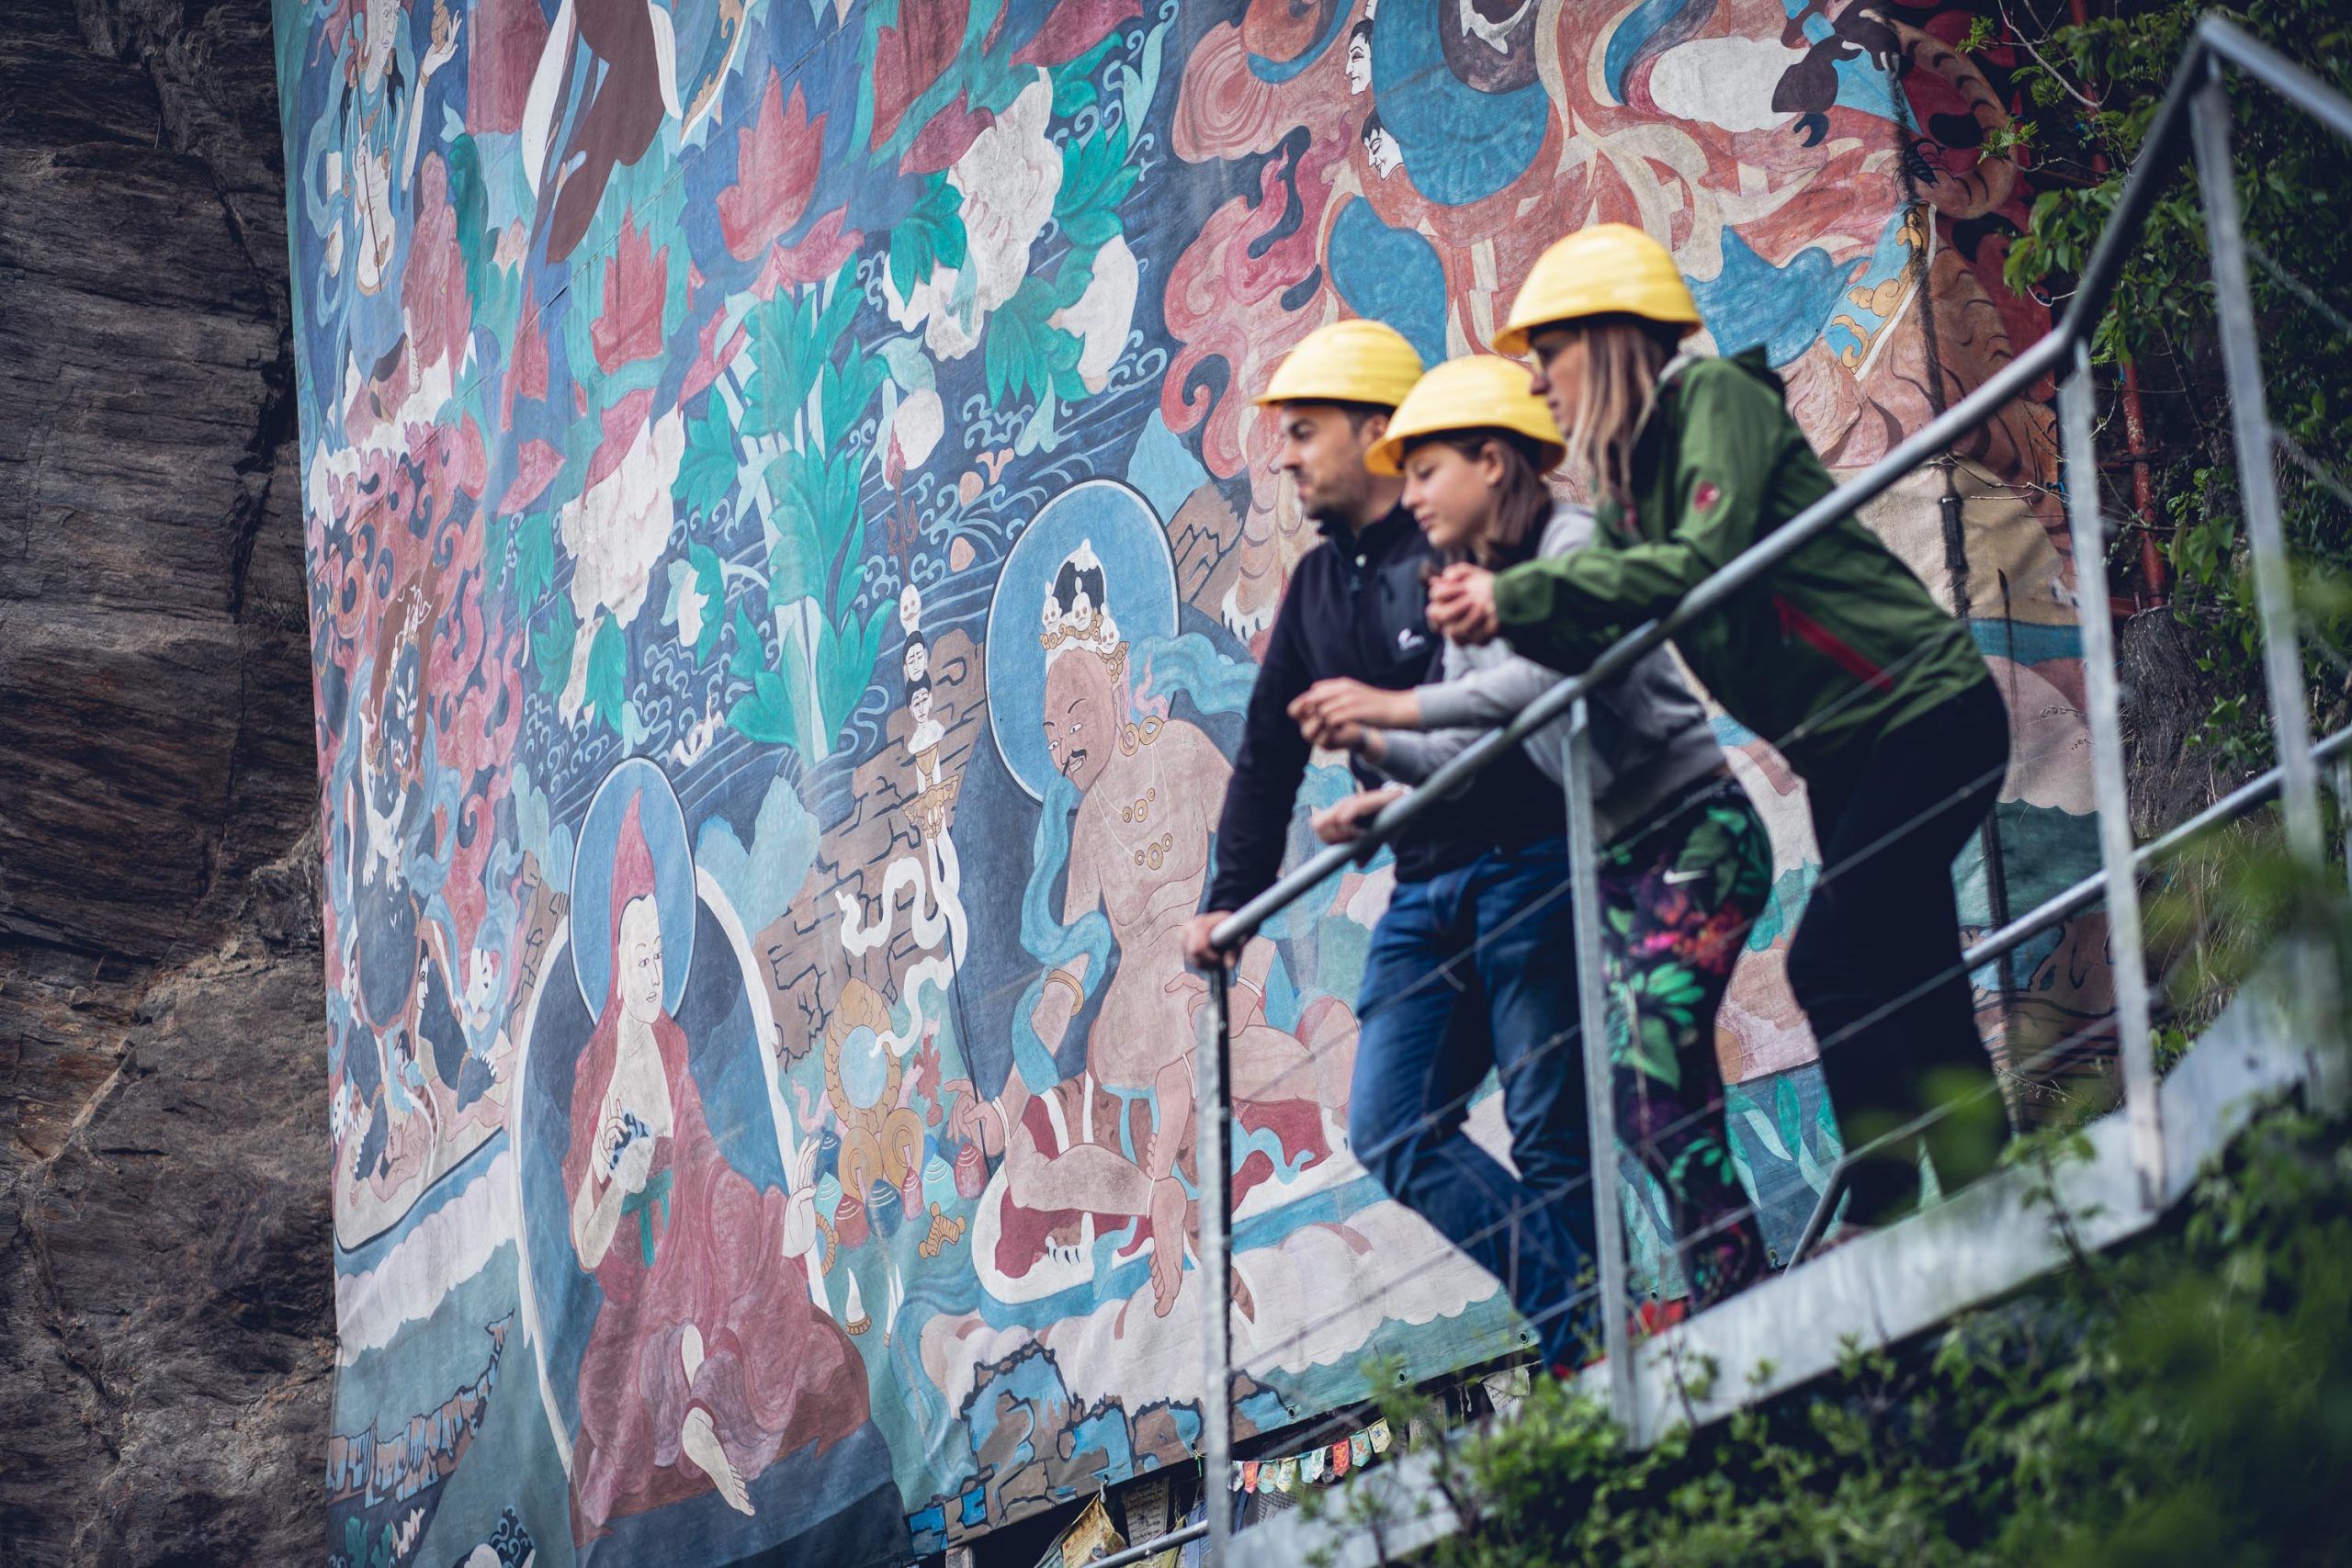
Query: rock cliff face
[[166, 1302]]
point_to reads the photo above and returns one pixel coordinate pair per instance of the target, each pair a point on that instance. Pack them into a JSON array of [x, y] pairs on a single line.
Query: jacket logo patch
[[1408, 639], [1705, 496]]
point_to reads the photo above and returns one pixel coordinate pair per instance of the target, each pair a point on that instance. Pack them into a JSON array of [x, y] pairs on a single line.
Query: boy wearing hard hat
[[1438, 1009], [1838, 656]]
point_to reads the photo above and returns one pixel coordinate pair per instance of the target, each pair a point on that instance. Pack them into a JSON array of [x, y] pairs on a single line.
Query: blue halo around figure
[[1139, 590], [664, 823]]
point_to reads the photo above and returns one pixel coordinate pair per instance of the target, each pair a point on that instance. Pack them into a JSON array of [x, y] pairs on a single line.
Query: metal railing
[[2193, 119]]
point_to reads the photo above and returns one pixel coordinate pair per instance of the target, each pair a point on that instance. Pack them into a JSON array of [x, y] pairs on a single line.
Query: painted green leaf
[[796, 557], [1070, 281], [1074, 79], [843, 391], [748, 658], [608, 672], [1095, 179], [931, 236], [1026, 354], [785, 362], [551, 646], [470, 200], [497, 534], [843, 297], [844, 665], [534, 557], [707, 471], [764, 713]]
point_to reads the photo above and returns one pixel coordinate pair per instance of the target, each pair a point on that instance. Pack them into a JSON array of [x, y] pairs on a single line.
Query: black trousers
[[1875, 960]]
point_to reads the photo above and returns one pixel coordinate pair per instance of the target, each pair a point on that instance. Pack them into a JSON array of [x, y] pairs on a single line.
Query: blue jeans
[[1473, 969]]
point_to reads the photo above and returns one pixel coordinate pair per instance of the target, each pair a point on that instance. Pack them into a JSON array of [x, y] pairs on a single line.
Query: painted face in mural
[[1451, 492], [1321, 449], [915, 663], [640, 958], [1083, 711], [1360, 59], [1381, 146]]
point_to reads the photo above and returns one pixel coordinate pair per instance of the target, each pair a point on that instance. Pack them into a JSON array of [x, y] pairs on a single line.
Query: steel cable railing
[[2194, 116]]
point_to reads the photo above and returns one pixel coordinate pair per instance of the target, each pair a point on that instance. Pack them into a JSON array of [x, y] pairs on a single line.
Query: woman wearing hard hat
[[1878, 699], [1688, 865]]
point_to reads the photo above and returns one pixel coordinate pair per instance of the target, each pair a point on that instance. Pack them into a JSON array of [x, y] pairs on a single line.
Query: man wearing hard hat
[[1486, 859]]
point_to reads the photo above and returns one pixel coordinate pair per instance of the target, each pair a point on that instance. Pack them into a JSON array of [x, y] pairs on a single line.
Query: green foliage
[[812, 388], [766, 713], [793, 336], [1096, 178], [607, 689], [2294, 180], [707, 471], [1026, 354], [2189, 1402], [931, 236], [534, 557], [1074, 79], [551, 645], [363, 1548]]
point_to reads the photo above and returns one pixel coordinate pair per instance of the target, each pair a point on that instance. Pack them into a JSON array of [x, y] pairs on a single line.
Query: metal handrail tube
[[2275, 72], [2089, 890], [1158, 1544]]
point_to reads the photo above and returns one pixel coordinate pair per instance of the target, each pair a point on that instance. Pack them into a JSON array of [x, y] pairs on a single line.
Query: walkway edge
[[1880, 1290]]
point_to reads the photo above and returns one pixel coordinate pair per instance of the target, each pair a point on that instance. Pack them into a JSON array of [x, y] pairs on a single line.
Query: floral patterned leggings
[[1678, 896]]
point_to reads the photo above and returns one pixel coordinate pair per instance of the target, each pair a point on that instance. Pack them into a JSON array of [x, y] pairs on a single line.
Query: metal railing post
[[1601, 1103], [2282, 664], [2282, 659], [2341, 775], [1213, 1114], [2127, 953]]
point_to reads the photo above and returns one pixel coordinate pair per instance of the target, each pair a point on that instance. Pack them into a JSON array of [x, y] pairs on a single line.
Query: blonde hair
[[1623, 357], [1524, 504]]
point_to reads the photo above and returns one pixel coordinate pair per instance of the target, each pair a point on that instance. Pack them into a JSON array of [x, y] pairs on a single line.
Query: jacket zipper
[[1841, 652]]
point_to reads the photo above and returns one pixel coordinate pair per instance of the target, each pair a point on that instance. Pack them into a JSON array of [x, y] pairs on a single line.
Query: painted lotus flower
[[619, 527], [1008, 179]]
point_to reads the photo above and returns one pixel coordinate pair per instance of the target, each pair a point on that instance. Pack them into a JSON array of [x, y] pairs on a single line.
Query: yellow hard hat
[[1607, 269], [1346, 362], [1480, 392]]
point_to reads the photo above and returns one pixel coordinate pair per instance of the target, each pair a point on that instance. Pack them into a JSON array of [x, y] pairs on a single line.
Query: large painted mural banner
[[789, 549]]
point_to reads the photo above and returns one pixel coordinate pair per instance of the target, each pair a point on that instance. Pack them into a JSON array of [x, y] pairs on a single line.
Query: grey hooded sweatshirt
[[1651, 738]]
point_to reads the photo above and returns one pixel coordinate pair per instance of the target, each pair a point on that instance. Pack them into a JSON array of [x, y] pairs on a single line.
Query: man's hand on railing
[[1344, 823], [1338, 714], [1462, 605], [1199, 952]]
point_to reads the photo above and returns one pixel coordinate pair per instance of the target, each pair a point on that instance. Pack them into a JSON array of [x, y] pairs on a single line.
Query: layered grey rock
[[165, 1302]]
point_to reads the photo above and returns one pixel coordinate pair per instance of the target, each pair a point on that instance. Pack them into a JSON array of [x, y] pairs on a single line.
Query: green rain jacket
[[1837, 646]]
